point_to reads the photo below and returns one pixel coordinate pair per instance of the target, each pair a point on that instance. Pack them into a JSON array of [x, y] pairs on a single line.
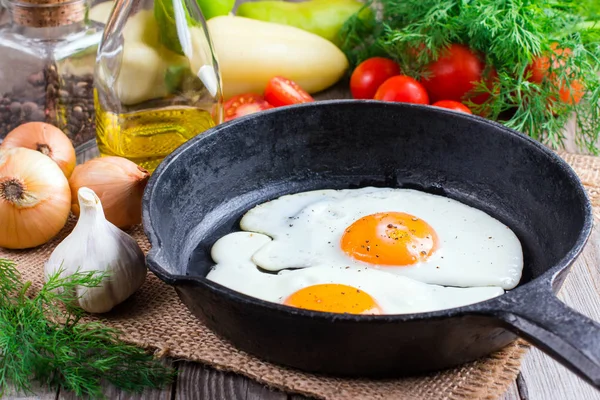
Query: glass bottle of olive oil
[[157, 80]]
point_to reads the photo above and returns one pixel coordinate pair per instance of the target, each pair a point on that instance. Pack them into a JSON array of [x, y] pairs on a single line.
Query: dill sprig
[[509, 34], [43, 339]]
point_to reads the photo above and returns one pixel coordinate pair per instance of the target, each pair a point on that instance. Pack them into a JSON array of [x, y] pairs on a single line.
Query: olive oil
[[146, 137], [156, 80]]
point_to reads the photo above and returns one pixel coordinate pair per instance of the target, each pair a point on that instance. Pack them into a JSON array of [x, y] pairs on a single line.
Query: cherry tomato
[[570, 94], [452, 105], [454, 74], [370, 74], [284, 92], [490, 77], [402, 88], [538, 70], [414, 51], [244, 104]]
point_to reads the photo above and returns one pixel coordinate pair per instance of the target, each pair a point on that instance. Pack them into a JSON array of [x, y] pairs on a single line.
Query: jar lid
[[48, 13]]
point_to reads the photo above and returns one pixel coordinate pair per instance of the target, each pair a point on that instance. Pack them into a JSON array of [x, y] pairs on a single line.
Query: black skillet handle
[[566, 335]]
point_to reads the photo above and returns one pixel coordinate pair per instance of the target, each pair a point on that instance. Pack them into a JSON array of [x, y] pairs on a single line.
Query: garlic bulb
[[97, 245]]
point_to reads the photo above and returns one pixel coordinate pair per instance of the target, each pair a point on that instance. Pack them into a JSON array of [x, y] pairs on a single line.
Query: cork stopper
[[48, 13]]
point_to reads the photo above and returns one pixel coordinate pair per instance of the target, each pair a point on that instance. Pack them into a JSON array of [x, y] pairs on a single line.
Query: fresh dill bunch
[[509, 35], [43, 339], [9, 282], [360, 33]]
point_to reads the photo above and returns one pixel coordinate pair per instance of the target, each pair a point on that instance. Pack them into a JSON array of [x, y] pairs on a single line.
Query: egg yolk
[[390, 238], [334, 298]]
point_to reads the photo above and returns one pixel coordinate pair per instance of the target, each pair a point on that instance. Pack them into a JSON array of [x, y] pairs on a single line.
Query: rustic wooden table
[[541, 378]]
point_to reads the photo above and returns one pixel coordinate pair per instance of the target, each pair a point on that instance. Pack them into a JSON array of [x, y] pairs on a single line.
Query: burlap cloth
[[155, 318]]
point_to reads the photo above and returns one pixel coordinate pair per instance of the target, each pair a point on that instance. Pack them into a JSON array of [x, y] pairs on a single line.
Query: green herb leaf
[[9, 281], [43, 339]]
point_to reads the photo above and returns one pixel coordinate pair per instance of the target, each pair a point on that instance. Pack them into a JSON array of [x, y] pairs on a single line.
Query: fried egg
[[429, 238], [332, 287]]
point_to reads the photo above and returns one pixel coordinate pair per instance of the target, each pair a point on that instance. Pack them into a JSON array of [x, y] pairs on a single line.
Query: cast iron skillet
[[199, 193]]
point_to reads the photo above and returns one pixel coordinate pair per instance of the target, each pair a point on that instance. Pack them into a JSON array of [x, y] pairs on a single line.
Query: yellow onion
[[118, 182], [35, 199], [45, 138]]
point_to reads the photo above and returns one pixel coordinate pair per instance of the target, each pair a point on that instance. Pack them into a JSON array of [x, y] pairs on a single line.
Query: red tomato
[[402, 89], [454, 74], [481, 97], [538, 70], [244, 104], [283, 92], [414, 51], [573, 94], [452, 105], [370, 74], [570, 95]]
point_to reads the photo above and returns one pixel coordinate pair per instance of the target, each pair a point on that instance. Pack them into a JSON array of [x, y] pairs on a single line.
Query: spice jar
[[157, 80], [48, 52]]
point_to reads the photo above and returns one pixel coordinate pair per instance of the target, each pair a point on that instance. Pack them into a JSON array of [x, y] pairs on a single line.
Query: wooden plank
[[298, 397], [198, 382], [87, 155], [257, 391], [512, 393], [37, 393], [522, 387], [544, 378], [113, 393], [116, 394]]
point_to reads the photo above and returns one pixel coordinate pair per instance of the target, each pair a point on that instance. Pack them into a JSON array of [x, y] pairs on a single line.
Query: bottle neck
[[47, 13]]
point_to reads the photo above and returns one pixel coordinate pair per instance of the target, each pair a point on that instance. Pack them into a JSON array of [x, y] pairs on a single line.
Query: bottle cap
[[48, 13]]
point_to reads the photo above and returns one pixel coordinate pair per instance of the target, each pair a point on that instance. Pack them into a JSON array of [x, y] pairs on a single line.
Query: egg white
[[475, 249], [395, 294]]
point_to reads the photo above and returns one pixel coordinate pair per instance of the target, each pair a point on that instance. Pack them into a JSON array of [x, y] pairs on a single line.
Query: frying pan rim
[[485, 307]]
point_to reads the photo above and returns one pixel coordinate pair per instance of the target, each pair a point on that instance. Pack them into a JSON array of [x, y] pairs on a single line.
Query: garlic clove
[[97, 245]]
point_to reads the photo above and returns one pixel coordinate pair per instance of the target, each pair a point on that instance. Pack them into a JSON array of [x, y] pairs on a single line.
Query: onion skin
[[35, 199], [46, 139], [118, 182]]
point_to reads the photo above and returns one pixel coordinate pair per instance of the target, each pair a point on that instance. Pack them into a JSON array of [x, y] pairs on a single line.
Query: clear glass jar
[[157, 80], [48, 50]]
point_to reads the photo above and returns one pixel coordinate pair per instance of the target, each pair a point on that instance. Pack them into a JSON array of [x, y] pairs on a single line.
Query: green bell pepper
[[321, 17], [214, 8]]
